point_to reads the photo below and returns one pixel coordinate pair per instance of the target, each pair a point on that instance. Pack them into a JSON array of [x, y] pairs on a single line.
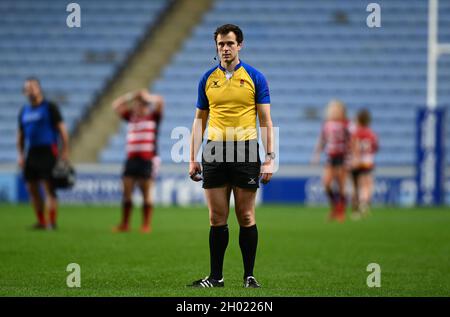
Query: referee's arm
[[198, 128], [266, 126]]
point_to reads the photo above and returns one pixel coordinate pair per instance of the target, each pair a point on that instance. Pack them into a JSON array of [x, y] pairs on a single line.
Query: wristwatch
[[270, 155]]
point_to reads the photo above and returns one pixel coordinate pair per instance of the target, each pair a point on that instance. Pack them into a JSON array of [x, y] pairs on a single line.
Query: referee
[[40, 126], [231, 95]]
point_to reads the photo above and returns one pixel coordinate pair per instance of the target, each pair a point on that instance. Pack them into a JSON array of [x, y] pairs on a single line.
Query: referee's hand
[[266, 171], [195, 171]]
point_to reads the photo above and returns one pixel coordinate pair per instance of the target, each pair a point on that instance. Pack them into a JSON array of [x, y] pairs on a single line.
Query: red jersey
[[141, 135], [367, 145], [335, 137]]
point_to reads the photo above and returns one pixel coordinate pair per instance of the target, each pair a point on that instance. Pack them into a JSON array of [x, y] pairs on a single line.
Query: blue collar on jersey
[[237, 66]]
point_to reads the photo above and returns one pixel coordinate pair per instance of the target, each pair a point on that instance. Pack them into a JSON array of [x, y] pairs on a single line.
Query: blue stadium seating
[[74, 64], [311, 52]]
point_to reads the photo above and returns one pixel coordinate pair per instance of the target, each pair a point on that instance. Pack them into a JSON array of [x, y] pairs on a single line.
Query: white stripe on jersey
[[144, 125], [140, 136], [367, 158], [140, 147]]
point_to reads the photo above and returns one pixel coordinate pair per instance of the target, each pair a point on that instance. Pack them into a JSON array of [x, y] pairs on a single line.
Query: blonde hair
[[336, 110]]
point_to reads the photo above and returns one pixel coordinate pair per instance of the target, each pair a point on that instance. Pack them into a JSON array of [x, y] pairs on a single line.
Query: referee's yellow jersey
[[232, 101]]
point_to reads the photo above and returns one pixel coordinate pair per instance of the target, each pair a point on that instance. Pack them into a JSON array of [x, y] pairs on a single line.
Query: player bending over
[[364, 145], [143, 112], [334, 140]]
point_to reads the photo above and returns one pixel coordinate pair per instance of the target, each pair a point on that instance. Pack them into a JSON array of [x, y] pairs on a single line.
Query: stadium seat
[[72, 64], [311, 58]]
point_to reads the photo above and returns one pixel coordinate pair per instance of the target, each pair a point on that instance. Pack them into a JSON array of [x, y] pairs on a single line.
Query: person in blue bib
[[40, 128]]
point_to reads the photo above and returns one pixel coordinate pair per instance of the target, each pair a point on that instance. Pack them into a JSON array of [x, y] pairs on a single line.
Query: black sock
[[331, 196], [218, 242], [248, 241], [342, 198], [127, 206]]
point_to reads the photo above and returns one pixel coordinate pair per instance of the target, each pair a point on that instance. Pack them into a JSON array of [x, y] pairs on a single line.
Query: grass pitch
[[299, 253]]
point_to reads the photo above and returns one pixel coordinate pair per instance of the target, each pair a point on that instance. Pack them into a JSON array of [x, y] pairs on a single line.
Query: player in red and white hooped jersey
[[143, 112], [364, 145], [334, 140]]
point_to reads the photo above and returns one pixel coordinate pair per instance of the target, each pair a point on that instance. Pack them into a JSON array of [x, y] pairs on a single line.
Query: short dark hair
[[33, 78], [227, 28], [363, 117]]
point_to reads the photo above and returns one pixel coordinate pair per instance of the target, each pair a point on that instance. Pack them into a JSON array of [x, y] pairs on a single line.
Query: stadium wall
[[100, 184]]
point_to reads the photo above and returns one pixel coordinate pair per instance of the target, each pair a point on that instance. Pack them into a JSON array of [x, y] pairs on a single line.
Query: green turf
[[299, 253]]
